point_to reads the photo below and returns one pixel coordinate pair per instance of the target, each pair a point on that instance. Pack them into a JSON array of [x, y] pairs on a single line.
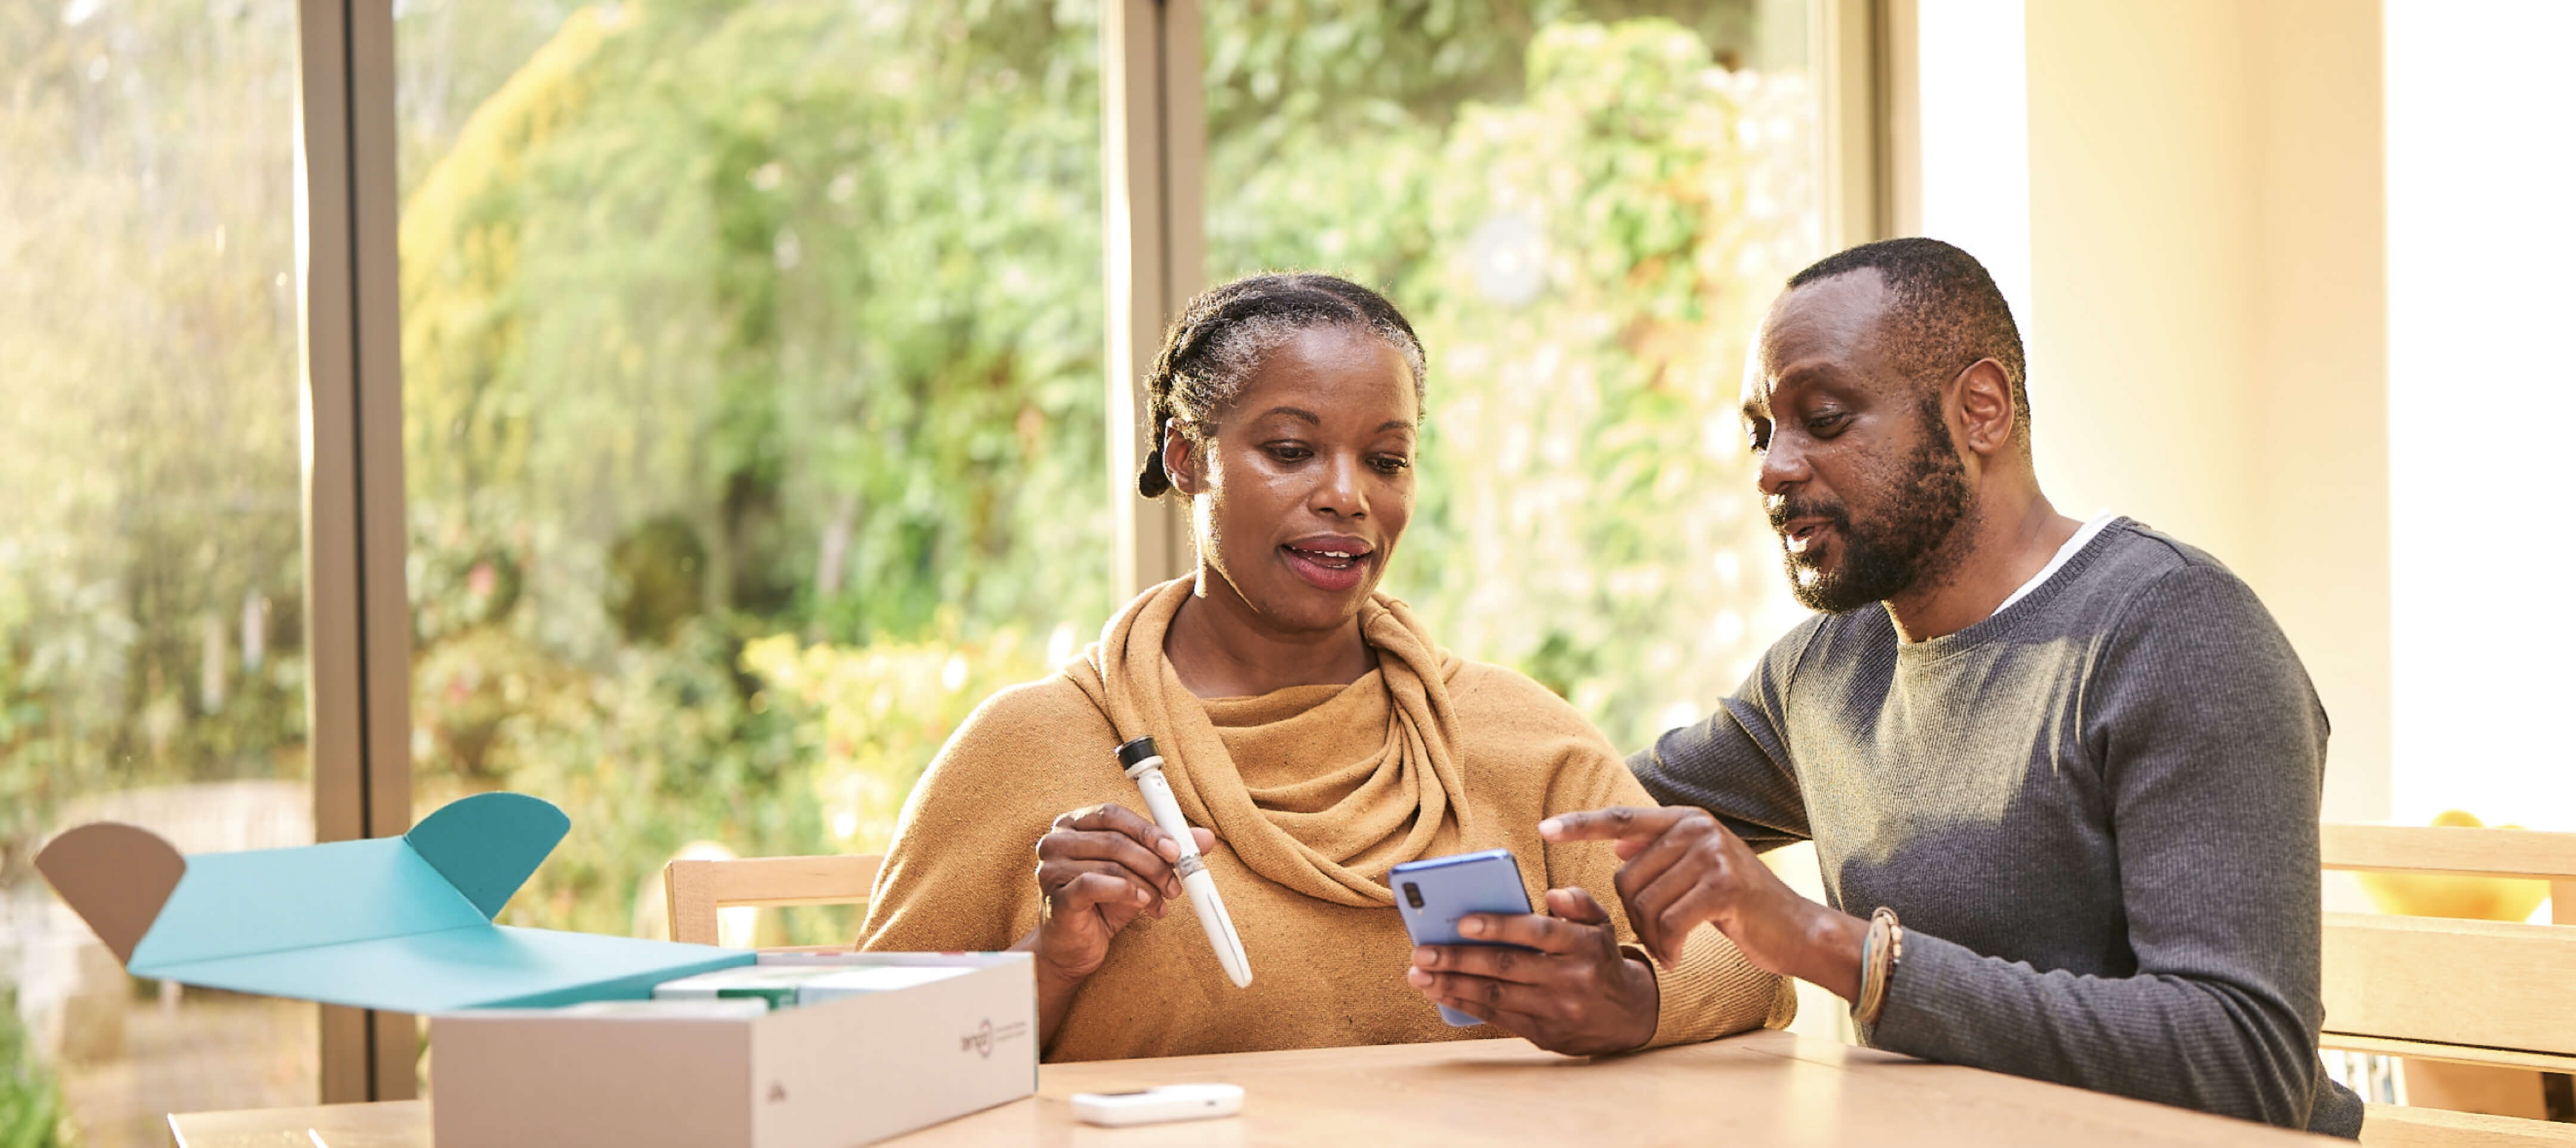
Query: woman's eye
[[1290, 452], [1393, 463]]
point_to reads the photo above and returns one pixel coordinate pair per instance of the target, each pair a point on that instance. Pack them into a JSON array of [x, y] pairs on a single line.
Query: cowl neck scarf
[[1344, 782]]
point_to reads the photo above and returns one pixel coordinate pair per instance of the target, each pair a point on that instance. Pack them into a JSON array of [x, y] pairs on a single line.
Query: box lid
[[399, 923]]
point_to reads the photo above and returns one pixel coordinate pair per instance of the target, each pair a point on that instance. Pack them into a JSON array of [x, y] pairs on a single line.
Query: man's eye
[[1829, 423], [1757, 434]]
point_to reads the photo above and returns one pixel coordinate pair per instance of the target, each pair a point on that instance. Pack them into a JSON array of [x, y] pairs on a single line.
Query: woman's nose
[[1338, 490]]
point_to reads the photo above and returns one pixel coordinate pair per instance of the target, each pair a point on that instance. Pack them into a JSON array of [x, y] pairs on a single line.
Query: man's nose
[[1783, 465]]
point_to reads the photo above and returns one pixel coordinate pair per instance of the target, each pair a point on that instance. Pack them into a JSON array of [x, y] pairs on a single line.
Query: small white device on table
[[1146, 767], [1158, 1105]]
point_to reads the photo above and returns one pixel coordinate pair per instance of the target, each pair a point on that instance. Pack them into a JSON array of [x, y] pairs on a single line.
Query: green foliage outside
[[150, 567], [694, 367], [32, 1114], [1586, 434]]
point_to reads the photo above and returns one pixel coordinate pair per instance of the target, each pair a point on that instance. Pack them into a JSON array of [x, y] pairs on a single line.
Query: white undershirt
[[2083, 534]]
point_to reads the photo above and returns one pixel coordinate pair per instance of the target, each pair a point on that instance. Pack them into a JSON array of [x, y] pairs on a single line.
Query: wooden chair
[[2456, 991], [696, 889]]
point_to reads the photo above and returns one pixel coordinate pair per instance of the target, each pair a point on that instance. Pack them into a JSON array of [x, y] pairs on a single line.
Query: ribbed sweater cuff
[[1714, 992], [1929, 1000]]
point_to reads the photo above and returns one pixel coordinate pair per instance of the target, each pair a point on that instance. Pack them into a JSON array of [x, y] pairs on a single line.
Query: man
[[2072, 767]]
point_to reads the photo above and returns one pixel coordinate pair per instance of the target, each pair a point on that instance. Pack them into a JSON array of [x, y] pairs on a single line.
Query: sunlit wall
[[2182, 200], [2480, 391]]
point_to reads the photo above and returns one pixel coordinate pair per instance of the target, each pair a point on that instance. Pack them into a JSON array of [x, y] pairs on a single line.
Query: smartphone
[[1433, 893]]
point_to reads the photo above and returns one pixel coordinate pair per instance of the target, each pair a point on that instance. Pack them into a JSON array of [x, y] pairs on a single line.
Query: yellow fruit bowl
[[2474, 898]]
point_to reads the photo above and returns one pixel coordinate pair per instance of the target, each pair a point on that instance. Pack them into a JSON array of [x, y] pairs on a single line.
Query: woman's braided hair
[[1221, 338]]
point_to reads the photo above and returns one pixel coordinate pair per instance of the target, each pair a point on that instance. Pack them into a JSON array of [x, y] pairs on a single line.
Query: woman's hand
[[1577, 994], [1097, 869]]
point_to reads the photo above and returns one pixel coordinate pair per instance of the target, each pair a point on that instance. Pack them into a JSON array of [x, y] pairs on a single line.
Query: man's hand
[[1685, 870], [1576, 994]]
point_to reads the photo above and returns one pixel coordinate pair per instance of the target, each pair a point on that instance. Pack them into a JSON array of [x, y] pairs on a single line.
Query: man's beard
[[1895, 550]]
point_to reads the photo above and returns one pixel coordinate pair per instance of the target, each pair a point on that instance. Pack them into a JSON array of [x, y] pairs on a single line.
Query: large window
[[1583, 207], [753, 387], [151, 661], [752, 410]]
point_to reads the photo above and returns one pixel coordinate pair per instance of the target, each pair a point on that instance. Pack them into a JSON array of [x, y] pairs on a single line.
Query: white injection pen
[[1146, 767]]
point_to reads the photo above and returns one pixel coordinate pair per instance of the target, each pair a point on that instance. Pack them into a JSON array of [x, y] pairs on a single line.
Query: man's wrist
[[1831, 953]]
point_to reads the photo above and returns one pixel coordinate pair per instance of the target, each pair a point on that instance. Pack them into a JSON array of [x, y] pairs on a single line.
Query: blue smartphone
[[1433, 893]]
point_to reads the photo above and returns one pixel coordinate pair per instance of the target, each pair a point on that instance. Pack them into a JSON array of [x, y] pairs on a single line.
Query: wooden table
[[1759, 1090]]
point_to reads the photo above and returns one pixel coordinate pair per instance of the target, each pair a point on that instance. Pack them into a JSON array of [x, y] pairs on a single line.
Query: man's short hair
[[1946, 315]]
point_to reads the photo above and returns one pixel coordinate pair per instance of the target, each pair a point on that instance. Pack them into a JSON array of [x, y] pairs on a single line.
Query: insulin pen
[[1146, 767]]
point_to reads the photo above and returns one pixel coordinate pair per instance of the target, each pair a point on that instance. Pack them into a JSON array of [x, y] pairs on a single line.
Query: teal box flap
[[401, 923], [487, 967]]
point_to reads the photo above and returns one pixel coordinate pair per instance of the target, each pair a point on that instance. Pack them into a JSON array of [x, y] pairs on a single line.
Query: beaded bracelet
[[1880, 950]]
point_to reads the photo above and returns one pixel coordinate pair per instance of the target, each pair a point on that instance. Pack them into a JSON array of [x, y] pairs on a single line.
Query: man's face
[[1859, 474]]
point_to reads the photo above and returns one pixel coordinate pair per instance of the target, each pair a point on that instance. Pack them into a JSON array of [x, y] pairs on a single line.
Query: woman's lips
[[1334, 571]]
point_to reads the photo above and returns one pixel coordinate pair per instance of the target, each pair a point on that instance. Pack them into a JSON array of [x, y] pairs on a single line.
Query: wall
[[2322, 459], [1970, 125], [2480, 299], [2207, 324]]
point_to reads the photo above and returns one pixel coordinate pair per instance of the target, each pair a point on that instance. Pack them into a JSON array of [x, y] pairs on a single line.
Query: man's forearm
[[2192, 1042]]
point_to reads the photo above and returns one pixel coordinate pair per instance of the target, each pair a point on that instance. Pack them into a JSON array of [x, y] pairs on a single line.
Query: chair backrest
[[697, 889], [2460, 991]]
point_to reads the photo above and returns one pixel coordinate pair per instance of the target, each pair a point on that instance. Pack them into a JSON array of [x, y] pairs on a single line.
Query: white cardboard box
[[827, 1075], [406, 924]]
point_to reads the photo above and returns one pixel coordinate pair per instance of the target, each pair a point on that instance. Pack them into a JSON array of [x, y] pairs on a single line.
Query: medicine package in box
[[783, 985]]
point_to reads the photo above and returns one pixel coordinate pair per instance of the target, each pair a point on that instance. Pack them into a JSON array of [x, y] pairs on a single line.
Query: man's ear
[[1180, 459], [1985, 407]]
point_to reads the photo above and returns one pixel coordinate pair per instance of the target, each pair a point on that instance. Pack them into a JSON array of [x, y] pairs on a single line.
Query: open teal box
[[396, 923], [405, 924]]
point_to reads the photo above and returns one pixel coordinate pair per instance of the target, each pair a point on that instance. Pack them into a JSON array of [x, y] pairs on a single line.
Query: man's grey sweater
[[2095, 813]]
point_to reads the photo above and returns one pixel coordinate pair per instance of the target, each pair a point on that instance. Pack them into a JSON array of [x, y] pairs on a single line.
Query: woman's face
[[1300, 497]]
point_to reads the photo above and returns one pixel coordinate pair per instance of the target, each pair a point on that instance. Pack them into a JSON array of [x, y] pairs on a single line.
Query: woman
[[1315, 731]]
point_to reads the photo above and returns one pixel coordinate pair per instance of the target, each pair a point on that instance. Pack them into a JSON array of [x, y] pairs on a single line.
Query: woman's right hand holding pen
[[1098, 868]]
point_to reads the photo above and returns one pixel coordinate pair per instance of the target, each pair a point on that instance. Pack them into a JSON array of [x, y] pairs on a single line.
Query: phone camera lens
[[1413, 894]]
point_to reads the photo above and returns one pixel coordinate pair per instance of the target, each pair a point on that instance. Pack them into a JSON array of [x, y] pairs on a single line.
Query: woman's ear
[[1180, 459]]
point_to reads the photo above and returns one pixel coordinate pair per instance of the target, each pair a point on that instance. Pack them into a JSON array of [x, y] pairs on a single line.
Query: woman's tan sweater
[[1313, 793]]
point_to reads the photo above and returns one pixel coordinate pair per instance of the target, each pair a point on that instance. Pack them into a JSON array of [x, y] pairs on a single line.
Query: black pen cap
[[1136, 751]]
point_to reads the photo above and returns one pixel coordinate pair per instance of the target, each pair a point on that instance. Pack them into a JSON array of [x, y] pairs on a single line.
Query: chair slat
[[2392, 1126], [696, 889], [2454, 850], [2485, 984], [2447, 1053]]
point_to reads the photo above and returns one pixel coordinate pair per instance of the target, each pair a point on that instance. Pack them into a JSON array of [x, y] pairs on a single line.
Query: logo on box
[[985, 1036]]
